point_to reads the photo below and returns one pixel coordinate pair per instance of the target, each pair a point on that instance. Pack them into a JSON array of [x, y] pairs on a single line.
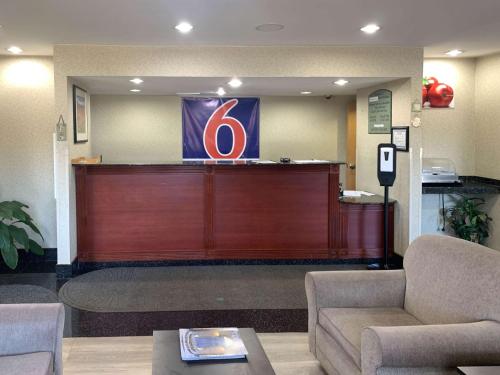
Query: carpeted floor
[[136, 289], [17, 293]]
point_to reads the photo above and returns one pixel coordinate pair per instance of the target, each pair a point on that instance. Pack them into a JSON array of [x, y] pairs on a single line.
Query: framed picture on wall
[[400, 137], [80, 115]]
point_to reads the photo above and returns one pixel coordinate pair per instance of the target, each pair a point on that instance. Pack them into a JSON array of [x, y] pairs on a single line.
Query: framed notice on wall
[[400, 137], [380, 112]]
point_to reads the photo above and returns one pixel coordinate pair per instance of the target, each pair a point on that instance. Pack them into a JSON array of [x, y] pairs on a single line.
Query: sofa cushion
[[449, 280], [346, 324], [39, 363]]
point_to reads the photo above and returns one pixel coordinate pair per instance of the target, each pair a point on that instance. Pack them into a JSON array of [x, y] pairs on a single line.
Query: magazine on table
[[201, 344]]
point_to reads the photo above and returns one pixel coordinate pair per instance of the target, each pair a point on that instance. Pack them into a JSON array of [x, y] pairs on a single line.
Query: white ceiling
[[437, 25], [207, 86]]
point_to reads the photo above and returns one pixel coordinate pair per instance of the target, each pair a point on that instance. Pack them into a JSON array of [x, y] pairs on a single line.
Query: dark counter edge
[[471, 185], [365, 199], [198, 163]]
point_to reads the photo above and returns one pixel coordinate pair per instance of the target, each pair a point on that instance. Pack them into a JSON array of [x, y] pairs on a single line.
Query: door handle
[[351, 165]]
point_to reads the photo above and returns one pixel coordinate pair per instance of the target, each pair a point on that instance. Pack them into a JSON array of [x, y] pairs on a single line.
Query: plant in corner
[[468, 221], [12, 236]]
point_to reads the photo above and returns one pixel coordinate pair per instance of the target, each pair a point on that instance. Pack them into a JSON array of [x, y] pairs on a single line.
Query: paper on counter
[[352, 193], [265, 162], [356, 193], [367, 193], [311, 161]]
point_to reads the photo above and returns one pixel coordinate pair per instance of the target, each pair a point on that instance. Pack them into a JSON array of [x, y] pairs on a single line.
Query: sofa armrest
[[29, 328], [447, 345], [351, 289]]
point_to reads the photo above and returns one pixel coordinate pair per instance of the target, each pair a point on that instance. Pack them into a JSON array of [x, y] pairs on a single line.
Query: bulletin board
[[380, 112]]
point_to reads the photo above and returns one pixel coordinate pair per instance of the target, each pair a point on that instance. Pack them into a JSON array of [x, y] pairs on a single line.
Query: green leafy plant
[[468, 221], [12, 236]]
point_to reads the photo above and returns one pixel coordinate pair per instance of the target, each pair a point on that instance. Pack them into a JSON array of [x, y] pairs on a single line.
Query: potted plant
[[12, 236], [468, 221]]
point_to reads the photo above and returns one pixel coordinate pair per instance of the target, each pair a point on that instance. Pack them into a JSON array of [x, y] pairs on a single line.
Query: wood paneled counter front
[[188, 211]]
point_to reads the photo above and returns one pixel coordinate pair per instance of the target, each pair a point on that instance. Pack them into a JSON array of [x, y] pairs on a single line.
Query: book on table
[[201, 344]]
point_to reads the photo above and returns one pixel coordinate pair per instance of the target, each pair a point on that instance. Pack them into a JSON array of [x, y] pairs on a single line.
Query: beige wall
[[488, 117], [129, 128], [302, 128], [26, 143], [488, 133], [449, 133], [148, 128], [366, 151]]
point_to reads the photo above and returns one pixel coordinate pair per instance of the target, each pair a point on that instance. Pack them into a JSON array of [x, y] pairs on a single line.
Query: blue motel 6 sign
[[220, 128]]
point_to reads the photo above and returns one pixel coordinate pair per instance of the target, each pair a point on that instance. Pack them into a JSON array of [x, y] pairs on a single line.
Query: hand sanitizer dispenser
[[386, 164], [386, 173]]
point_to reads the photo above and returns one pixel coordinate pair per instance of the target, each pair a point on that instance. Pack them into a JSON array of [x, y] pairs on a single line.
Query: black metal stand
[[385, 265]]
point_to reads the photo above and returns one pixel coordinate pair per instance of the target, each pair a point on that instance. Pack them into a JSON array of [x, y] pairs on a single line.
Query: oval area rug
[[20, 293], [180, 288]]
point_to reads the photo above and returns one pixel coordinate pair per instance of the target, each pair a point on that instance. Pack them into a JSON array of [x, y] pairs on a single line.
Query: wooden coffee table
[[480, 370], [167, 358]]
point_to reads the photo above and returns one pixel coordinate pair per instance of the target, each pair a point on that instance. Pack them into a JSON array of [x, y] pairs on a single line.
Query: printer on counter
[[439, 171]]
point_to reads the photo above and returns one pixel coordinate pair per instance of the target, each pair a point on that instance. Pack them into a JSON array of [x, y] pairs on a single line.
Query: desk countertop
[[208, 162], [470, 185], [364, 199]]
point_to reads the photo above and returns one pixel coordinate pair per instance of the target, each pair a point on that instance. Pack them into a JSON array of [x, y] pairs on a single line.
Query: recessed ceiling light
[[454, 52], [341, 82], [15, 50], [184, 27], [137, 81], [135, 90], [268, 27], [221, 91], [306, 92], [235, 82], [370, 29]]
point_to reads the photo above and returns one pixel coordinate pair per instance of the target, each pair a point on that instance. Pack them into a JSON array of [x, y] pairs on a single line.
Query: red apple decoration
[[425, 95], [429, 82], [440, 95]]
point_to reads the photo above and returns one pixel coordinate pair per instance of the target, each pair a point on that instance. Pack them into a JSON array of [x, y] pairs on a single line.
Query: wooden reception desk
[[188, 211]]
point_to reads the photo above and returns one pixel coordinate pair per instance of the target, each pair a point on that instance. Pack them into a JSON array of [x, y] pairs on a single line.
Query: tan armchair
[[440, 312], [31, 339]]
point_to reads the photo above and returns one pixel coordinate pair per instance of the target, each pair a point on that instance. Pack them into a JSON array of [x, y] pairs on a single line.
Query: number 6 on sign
[[214, 123]]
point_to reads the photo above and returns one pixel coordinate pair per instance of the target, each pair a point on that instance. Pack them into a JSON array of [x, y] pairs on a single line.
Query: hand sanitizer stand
[[386, 173]]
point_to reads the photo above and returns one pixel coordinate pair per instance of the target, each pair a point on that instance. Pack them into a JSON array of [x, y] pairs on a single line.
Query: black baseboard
[[47, 263], [77, 268], [31, 263], [397, 260], [67, 271]]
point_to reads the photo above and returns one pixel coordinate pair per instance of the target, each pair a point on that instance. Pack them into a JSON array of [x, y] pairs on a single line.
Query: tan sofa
[[440, 312]]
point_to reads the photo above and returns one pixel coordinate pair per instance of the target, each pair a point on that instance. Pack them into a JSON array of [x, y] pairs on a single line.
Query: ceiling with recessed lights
[[439, 26], [208, 86]]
